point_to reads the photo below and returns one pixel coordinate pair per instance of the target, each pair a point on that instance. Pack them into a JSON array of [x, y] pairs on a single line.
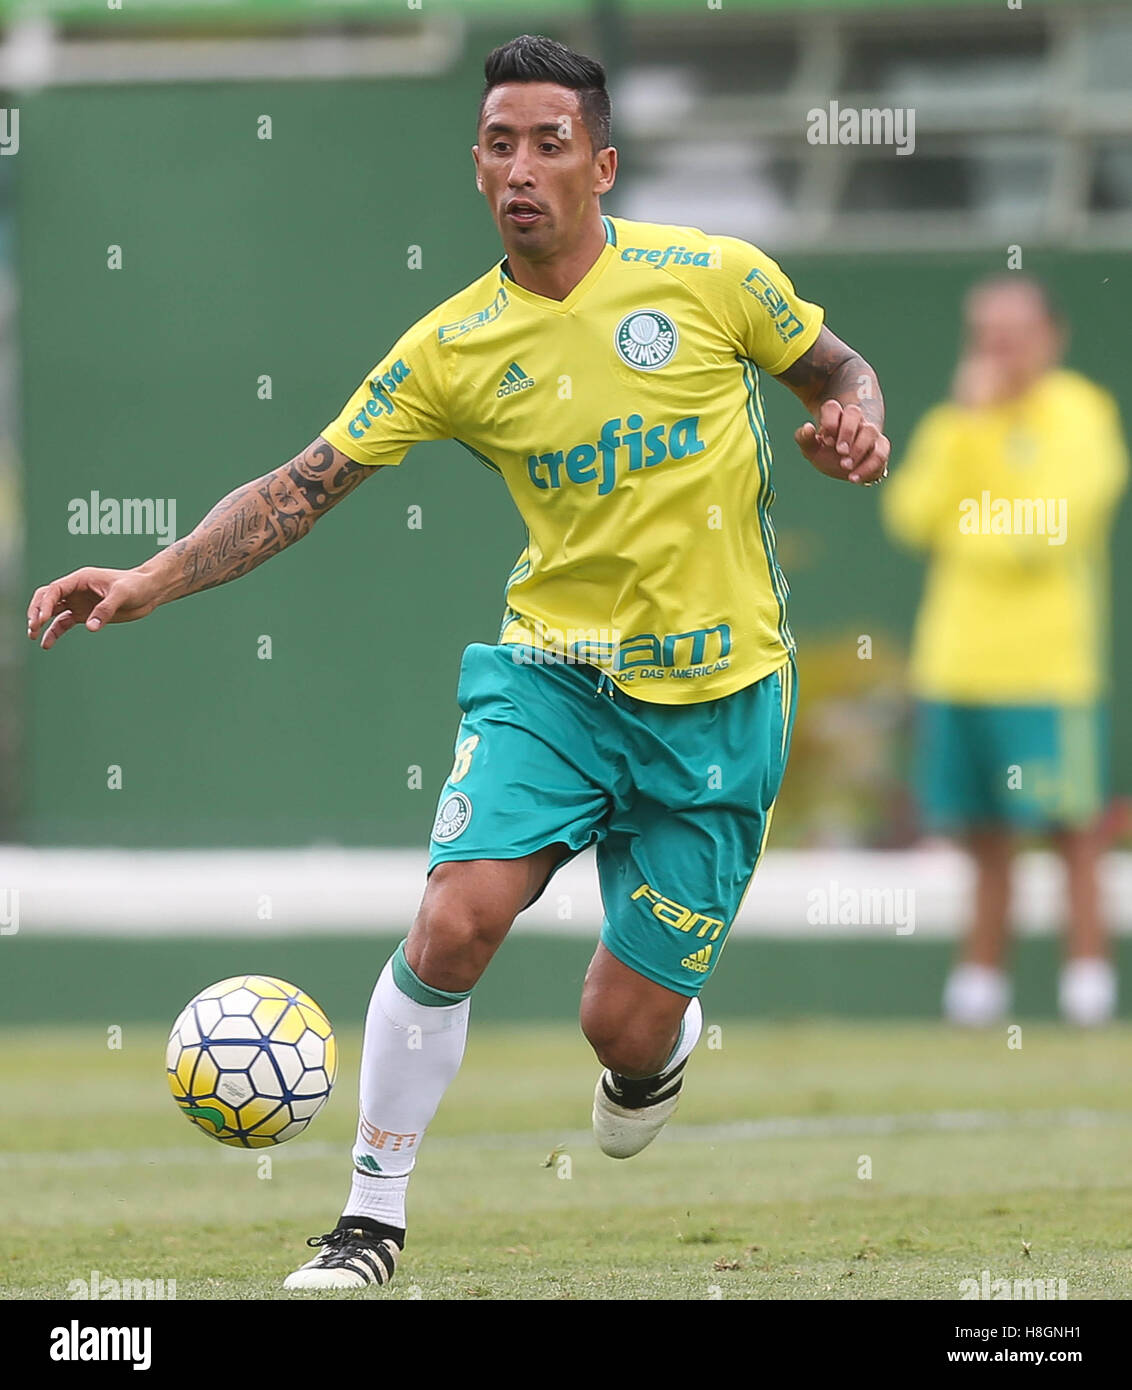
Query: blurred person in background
[[1011, 488]]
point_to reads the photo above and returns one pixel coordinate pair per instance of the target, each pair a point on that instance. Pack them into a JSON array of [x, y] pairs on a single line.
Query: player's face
[[537, 169], [1008, 328]]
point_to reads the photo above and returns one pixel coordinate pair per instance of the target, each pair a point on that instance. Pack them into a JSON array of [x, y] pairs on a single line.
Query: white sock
[[413, 1047], [691, 1026]]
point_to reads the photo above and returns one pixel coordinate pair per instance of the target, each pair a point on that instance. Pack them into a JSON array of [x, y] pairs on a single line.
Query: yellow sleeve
[[403, 401], [768, 321], [921, 491], [1097, 477]]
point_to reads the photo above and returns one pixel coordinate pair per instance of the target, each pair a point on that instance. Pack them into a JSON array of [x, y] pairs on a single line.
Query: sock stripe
[[377, 1177], [410, 984]]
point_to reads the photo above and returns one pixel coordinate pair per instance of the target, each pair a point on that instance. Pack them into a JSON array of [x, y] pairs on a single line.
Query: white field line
[[738, 1131]]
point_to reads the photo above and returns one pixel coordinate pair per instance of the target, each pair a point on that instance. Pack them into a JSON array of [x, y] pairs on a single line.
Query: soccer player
[[1011, 487], [641, 693]]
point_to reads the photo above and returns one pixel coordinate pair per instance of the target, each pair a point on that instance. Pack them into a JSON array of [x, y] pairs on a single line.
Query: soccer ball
[[251, 1061]]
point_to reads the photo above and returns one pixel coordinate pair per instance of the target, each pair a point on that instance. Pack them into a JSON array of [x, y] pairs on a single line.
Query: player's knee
[[627, 1057], [456, 932], [620, 1047]]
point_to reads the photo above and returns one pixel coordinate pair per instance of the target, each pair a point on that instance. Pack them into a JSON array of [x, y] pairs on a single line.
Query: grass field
[[982, 1157]]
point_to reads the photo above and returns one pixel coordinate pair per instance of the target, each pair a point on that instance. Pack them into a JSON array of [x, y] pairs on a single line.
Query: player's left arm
[[837, 386]]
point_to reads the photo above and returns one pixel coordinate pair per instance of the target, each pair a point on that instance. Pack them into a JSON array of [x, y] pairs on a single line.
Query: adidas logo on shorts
[[699, 961]]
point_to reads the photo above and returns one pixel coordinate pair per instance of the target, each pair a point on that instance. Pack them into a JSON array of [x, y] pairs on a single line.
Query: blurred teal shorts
[[677, 798], [1031, 767]]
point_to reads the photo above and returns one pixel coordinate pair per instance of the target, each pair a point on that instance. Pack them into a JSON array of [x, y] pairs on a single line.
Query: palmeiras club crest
[[452, 818], [646, 339]]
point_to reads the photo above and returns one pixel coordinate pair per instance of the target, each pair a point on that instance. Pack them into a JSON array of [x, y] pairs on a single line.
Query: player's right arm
[[251, 524]]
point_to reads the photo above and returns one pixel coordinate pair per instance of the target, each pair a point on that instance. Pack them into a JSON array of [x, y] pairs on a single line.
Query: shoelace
[[339, 1236], [350, 1248]]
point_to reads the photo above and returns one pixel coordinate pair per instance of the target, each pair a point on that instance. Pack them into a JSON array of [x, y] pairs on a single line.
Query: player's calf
[[642, 1032]]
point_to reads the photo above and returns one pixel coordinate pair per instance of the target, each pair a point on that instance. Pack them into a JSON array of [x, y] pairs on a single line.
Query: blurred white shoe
[[1086, 991], [623, 1130], [976, 996]]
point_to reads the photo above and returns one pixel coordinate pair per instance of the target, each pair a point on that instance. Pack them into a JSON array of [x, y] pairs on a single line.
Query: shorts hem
[[685, 988], [1037, 824], [470, 858], [456, 857]]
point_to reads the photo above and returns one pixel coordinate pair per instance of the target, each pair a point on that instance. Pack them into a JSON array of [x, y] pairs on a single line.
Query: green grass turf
[[98, 1171]]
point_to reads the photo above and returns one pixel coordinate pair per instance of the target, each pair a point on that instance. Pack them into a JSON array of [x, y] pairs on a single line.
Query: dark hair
[[534, 58], [1011, 279]]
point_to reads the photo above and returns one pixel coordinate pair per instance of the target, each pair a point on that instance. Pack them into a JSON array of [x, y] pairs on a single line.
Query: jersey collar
[[583, 286]]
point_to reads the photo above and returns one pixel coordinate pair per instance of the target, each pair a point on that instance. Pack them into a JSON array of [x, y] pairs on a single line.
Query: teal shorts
[[677, 798], [1029, 767]]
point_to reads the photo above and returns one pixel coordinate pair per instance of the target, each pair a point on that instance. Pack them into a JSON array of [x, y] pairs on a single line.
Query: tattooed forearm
[[258, 520], [240, 532], [831, 370], [854, 382]]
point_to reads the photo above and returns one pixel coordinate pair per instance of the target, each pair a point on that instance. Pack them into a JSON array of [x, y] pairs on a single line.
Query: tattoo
[[831, 370], [311, 470], [263, 517]]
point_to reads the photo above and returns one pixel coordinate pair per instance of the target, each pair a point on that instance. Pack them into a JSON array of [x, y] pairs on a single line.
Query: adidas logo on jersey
[[699, 961], [515, 380]]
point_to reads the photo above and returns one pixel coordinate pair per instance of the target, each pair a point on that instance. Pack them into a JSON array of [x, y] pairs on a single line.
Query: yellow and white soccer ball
[[251, 1061]]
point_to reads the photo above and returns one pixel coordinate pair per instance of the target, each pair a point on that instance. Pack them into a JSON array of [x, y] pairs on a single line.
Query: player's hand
[[93, 597], [843, 444], [979, 382]]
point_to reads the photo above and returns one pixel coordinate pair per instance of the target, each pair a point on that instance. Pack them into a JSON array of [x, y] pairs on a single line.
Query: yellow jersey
[[627, 423], [1014, 503]]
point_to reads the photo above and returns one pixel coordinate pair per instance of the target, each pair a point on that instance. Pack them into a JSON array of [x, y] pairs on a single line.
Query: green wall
[[103, 981], [289, 257]]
